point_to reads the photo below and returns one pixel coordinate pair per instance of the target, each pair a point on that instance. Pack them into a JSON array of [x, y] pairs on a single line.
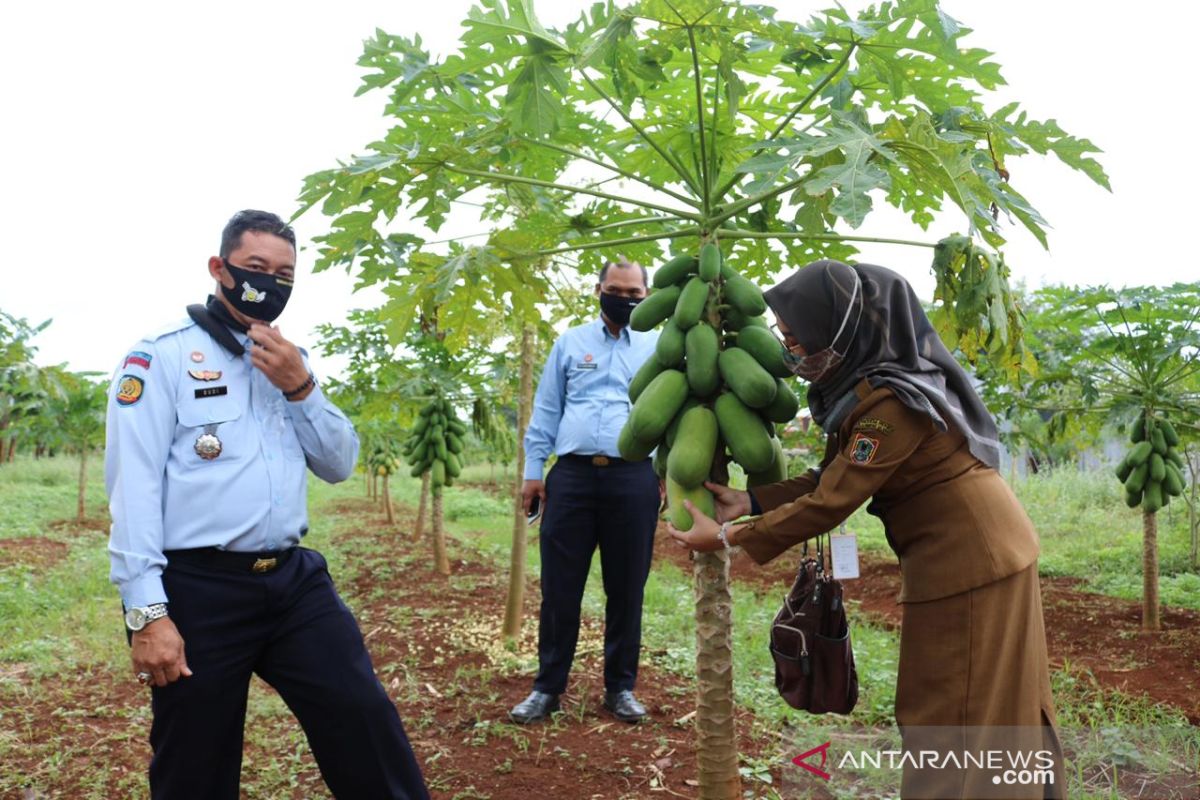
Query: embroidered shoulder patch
[[129, 390], [874, 424], [863, 449], [138, 359]]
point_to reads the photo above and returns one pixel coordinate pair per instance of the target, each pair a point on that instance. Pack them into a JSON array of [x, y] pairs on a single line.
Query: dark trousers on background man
[[288, 626], [614, 507]]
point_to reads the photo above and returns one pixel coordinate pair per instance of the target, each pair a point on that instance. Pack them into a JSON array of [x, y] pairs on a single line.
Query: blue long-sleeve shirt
[[173, 387], [582, 399]]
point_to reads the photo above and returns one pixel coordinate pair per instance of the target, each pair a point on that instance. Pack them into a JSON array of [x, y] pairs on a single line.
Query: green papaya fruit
[[655, 308], [766, 349], [439, 447], [426, 411], [675, 270], [1169, 433], [784, 408], [646, 373], [458, 427], [743, 432], [695, 444], [753, 385], [1158, 441], [657, 405], [1123, 469], [773, 474], [673, 428], [1137, 478], [702, 348], [670, 348], [710, 262], [1152, 498], [1137, 431], [1158, 467], [742, 294], [1133, 499], [1175, 457], [1173, 483], [437, 477], [454, 442], [630, 447], [1140, 453], [700, 497], [691, 303], [453, 466]]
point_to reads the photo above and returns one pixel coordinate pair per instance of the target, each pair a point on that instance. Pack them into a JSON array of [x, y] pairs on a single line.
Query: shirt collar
[[607, 334]]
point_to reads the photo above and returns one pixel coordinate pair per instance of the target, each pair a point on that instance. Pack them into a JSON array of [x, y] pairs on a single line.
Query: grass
[[65, 620]]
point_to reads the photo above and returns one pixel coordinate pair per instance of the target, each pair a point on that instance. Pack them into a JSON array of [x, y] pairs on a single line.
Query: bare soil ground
[[1083, 629]]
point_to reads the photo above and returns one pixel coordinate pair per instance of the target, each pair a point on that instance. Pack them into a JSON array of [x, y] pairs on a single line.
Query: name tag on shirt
[[844, 553], [212, 391], [586, 365]]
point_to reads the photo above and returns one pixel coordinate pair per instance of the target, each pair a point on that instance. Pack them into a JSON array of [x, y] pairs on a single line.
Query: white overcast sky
[[132, 130]]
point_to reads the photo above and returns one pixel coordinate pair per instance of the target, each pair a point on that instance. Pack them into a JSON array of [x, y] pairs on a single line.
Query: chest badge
[[197, 357], [208, 446], [205, 374], [588, 358]]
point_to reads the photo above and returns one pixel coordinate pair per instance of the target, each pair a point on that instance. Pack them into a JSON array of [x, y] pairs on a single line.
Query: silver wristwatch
[[137, 618]]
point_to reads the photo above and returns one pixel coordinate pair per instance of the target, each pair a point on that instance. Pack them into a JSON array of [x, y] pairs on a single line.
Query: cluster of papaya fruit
[[1152, 470], [436, 443], [715, 383], [383, 460]]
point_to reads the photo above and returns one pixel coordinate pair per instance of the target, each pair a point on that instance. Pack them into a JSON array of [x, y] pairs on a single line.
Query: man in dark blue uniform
[[213, 424], [592, 497]]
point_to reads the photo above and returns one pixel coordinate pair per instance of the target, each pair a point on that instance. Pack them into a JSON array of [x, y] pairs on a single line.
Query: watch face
[[135, 619]]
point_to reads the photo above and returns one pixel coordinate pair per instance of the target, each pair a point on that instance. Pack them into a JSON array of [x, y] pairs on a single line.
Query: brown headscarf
[[893, 345]]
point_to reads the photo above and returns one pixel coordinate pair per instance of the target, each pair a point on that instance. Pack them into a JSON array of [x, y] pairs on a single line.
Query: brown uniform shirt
[[952, 520]]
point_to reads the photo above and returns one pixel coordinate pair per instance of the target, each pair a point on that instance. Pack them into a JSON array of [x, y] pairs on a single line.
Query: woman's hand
[[731, 503], [703, 535]]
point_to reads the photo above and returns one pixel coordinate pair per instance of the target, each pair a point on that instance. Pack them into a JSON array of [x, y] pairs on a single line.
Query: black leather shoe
[[624, 706], [538, 705]]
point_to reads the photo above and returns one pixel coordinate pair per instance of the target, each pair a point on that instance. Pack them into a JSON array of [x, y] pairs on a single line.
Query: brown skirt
[[976, 663]]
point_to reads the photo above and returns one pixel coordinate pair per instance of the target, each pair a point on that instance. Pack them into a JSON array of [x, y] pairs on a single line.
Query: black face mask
[[617, 308], [258, 295]]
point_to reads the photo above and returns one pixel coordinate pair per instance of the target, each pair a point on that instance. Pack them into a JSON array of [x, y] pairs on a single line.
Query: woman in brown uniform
[[907, 432]]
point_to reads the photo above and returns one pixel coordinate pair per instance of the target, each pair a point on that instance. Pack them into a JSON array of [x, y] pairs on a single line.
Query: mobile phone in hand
[[535, 510]]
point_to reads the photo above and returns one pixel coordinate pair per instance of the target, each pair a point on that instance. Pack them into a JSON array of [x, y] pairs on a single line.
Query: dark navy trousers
[[614, 507], [290, 627]]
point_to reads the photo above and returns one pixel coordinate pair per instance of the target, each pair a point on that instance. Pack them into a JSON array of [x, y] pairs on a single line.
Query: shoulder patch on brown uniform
[[874, 424], [863, 448]]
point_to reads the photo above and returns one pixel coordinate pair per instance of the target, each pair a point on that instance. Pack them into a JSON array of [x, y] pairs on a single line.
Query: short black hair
[[252, 220], [623, 262]]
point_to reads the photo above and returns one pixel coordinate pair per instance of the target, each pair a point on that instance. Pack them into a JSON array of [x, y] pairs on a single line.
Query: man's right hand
[[158, 650], [731, 503], [531, 490]]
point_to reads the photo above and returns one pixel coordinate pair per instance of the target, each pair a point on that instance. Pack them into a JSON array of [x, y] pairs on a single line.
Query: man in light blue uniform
[[591, 497], [213, 424]]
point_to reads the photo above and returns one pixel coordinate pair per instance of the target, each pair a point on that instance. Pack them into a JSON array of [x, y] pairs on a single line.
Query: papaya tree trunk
[[716, 737], [1150, 619], [440, 561], [79, 509], [1193, 462], [422, 508], [367, 482], [515, 603], [387, 502]]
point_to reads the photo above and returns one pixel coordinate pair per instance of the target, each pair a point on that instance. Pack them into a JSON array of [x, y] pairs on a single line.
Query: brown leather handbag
[[810, 642]]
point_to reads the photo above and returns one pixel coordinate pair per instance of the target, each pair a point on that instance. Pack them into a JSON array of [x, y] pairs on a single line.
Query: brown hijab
[[893, 345]]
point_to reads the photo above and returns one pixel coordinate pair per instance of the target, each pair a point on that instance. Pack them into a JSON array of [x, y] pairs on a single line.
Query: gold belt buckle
[[264, 565], [600, 461]]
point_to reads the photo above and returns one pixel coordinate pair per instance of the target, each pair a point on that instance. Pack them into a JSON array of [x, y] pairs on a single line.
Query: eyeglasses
[[782, 338]]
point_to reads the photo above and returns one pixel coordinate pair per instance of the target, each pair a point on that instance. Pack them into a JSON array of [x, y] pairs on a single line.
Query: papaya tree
[[1134, 359], [663, 126]]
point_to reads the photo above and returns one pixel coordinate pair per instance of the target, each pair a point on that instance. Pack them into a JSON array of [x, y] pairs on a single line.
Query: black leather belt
[[230, 560], [596, 460]]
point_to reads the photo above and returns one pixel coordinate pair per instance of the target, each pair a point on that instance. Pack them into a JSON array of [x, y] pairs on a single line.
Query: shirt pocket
[[216, 416]]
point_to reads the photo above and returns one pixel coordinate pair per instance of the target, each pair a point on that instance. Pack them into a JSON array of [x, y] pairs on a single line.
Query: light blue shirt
[[173, 387], [583, 398]]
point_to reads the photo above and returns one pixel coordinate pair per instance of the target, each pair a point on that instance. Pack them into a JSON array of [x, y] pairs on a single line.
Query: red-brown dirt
[[31, 551], [1083, 629]]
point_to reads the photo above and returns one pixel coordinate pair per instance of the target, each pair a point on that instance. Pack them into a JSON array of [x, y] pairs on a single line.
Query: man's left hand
[[277, 358], [703, 536]]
